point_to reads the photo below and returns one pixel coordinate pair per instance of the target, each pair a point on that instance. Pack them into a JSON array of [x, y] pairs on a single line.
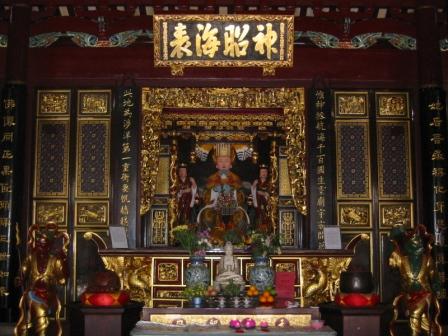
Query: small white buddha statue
[[228, 269]]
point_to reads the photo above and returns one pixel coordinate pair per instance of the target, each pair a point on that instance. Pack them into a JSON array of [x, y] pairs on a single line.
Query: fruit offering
[[252, 291], [211, 291], [268, 296]]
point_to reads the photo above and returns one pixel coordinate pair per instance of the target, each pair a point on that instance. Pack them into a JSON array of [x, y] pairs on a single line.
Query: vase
[[197, 272], [197, 302], [261, 275]]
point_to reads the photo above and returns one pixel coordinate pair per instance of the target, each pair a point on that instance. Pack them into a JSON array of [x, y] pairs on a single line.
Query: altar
[[231, 122], [161, 273]]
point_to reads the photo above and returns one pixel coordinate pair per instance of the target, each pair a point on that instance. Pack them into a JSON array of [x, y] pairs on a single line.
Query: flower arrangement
[[232, 289], [264, 244], [197, 290], [196, 243]]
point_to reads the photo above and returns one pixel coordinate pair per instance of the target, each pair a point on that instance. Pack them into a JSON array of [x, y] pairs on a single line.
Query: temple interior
[[212, 167]]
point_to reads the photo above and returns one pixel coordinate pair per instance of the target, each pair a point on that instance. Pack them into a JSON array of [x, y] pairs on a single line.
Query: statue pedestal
[[111, 321], [368, 321]]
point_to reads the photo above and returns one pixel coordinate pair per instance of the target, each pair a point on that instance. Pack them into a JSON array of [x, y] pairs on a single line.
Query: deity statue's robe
[[185, 200], [224, 210], [260, 195]]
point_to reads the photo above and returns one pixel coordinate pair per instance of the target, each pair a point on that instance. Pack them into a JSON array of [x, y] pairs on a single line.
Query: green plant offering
[[232, 289], [198, 290]]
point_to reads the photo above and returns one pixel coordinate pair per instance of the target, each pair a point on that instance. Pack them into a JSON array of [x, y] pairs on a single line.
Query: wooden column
[[13, 199], [434, 134]]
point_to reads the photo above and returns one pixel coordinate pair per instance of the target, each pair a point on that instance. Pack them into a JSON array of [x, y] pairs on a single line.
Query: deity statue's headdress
[[263, 166], [183, 165], [232, 150], [223, 149]]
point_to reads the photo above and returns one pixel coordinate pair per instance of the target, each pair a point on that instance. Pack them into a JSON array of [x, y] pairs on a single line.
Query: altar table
[[294, 317], [144, 328]]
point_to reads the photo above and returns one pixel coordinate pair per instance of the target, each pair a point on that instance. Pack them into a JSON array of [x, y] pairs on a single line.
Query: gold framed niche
[[291, 101]]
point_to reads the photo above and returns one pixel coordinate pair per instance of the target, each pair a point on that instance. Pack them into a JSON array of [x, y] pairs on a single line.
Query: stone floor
[[8, 330]]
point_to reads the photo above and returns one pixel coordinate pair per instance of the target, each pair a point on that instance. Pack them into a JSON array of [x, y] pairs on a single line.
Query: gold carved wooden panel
[[94, 102], [351, 104], [159, 227], [50, 211], [392, 104], [396, 214], [354, 215], [92, 213], [53, 103]]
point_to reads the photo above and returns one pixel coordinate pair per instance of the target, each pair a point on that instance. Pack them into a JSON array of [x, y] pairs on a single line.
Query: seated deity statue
[[224, 199], [228, 269]]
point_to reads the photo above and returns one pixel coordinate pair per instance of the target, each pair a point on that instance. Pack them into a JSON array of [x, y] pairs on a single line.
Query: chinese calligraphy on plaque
[[223, 40]]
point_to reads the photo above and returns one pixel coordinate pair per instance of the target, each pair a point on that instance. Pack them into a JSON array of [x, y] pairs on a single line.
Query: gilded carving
[[351, 104], [167, 272], [285, 267], [162, 187], [396, 214], [52, 211], [294, 320], [284, 184], [392, 104], [292, 121], [53, 102], [273, 194], [287, 227], [91, 214], [269, 39], [94, 102], [159, 227], [134, 273], [222, 135], [353, 214], [169, 294], [172, 202], [149, 156], [229, 122], [321, 278]]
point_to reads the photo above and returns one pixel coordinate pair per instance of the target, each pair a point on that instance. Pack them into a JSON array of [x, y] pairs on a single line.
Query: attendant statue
[[260, 198], [224, 199], [228, 269], [44, 269], [412, 256], [186, 195]]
